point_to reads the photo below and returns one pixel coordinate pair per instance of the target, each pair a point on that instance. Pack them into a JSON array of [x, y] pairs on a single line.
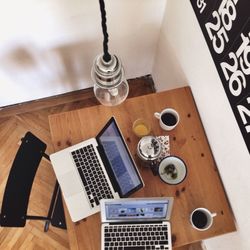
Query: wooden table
[[201, 188]]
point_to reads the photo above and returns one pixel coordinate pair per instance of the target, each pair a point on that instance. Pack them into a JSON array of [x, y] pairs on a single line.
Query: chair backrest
[[20, 180]]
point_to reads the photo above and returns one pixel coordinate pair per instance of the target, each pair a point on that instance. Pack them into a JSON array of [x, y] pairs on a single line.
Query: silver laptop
[[137, 223], [94, 169]]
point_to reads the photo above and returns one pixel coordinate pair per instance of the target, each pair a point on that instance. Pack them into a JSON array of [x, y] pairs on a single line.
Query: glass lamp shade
[[110, 86]]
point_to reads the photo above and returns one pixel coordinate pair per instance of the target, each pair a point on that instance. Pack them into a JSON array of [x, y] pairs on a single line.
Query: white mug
[[168, 118], [201, 219]]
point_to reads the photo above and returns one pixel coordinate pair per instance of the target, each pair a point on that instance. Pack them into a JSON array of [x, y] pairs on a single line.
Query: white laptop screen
[[133, 209], [123, 167]]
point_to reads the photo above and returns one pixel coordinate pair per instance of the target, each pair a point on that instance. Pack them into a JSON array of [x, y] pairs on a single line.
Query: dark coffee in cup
[[169, 119], [199, 219]]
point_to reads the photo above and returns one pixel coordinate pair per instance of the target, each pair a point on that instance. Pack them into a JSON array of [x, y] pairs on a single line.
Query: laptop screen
[[133, 209], [119, 159]]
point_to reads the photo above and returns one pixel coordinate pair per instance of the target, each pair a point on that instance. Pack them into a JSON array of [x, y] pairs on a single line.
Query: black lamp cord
[[106, 55]]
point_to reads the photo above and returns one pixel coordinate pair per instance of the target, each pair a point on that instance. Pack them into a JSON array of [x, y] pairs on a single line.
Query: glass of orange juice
[[141, 127]]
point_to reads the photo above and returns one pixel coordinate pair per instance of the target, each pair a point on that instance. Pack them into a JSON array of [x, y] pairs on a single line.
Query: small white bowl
[[180, 171]]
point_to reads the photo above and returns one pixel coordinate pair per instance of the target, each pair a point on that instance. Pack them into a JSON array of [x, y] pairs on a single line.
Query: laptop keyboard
[[92, 175], [136, 237]]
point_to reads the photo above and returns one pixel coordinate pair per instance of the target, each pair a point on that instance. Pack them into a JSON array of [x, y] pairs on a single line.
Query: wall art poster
[[226, 27]]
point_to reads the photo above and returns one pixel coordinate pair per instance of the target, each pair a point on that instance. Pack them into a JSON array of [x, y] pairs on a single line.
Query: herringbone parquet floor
[[14, 123]]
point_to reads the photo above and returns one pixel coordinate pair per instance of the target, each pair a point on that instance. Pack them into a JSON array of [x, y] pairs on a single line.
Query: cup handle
[[157, 115], [213, 214]]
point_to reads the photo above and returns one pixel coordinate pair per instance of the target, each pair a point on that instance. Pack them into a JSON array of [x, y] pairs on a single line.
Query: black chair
[[19, 184]]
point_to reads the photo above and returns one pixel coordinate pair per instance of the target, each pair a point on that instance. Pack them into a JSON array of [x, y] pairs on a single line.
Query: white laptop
[[137, 223], [94, 169]]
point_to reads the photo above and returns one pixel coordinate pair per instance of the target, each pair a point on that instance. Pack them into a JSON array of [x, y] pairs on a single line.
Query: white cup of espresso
[[201, 219], [168, 118]]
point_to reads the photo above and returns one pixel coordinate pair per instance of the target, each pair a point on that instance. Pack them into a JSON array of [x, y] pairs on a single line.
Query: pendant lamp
[[110, 85]]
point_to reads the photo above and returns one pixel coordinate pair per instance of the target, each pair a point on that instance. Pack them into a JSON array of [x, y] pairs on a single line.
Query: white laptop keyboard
[[92, 175], [136, 236]]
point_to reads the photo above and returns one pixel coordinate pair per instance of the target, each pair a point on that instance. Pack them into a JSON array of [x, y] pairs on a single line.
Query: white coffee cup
[[168, 118], [201, 219]]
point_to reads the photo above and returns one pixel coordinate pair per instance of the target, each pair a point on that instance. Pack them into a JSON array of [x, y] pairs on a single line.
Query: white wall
[[47, 47], [183, 58]]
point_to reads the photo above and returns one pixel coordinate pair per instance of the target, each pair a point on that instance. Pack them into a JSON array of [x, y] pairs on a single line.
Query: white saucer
[[179, 170]]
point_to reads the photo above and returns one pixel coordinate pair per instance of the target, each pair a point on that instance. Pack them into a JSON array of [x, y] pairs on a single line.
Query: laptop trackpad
[[70, 184]]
